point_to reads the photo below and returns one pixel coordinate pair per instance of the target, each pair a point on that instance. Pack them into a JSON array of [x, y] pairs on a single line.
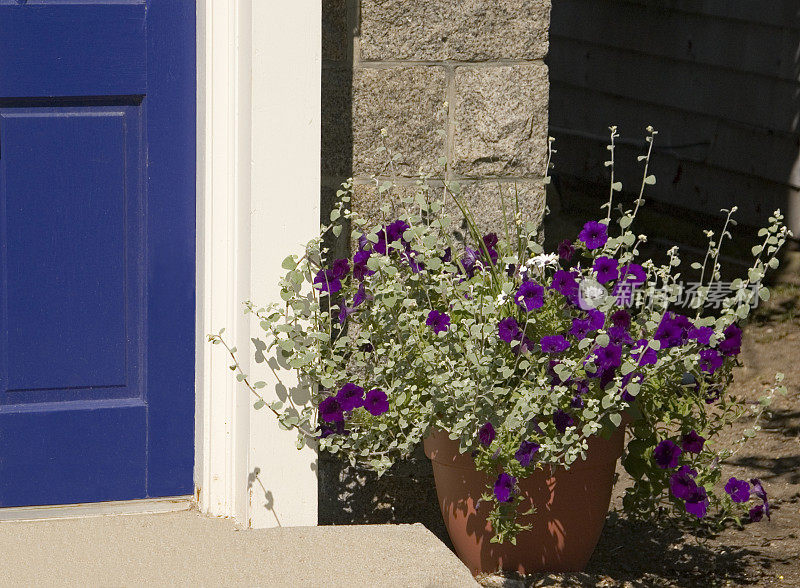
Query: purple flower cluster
[[683, 487], [329, 281], [350, 397]]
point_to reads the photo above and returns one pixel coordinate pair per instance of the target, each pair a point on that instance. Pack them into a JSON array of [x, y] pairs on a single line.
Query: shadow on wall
[[718, 80]]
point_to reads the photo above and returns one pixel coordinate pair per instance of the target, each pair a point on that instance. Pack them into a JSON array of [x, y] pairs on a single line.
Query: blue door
[[97, 246]]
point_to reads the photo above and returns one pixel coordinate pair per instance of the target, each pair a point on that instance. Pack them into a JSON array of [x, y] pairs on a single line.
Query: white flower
[[543, 260]]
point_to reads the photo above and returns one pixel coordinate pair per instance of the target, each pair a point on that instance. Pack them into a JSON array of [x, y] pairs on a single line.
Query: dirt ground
[[761, 554]]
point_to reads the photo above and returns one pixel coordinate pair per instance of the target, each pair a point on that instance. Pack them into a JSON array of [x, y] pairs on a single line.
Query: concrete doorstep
[[187, 548]]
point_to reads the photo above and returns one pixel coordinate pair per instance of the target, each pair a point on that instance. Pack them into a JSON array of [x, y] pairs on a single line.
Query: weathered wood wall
[[717, 78]]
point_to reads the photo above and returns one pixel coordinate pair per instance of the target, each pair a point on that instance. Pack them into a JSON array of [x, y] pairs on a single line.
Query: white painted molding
[[284, 212], [259, 67], [222, 426], [95, 509]]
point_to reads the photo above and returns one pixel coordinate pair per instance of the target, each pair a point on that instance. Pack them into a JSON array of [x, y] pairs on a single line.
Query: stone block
[[409, 103], [483, 198], [464, 30], [501, 120]]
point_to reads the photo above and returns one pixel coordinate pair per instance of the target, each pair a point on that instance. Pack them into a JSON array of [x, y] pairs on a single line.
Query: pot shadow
[[405, 494], [646, 553]]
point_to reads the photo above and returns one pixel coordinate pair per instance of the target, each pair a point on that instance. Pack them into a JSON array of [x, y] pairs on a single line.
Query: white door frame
[[258, 178]]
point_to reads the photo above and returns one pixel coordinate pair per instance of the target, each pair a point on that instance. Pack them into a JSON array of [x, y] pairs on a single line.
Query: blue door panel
[[71, 231], [74, 454], [58, 49], [97, 250]]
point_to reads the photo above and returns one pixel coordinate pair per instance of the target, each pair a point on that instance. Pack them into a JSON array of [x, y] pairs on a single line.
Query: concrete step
[[190, 549]]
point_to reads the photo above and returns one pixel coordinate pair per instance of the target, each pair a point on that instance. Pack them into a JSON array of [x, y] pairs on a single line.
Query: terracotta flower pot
[[571, 507]]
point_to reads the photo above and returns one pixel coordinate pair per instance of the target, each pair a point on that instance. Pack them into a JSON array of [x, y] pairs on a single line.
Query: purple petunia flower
[[330, 280], [527, 450], [732, 343], [632, 274], [326, 283], [350, 396], [376, 402], [490, 241], [438, 321], [504, 487], [691, 442], [562, 420], [554, 344], [620, 336], [360, 296], [621, 318], [672, 330], [486, 434], [643, 354], [358, 299], [395, 230], [738, 490], [609, 356], [701, 334], [360, 269], [564, 283], [756, 513], [633, 377], [596, 319], [758, 490], [530, 296], [327, 430], [682, 483], [470, 261], [697, 502], [607, 269], [508, 329], [566, 250], [710, 360], [330, 410], [666, 454], [594, 235], [580, 328], [340, 268], [524, 346]]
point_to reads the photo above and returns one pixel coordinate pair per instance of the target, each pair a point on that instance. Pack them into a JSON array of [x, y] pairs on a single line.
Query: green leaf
[[617, 186], [289, 263], [650, 180], [615, 418], [259, 404]]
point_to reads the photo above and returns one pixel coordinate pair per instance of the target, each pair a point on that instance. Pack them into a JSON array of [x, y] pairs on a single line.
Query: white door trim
[[95, 509], [258, 142]]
